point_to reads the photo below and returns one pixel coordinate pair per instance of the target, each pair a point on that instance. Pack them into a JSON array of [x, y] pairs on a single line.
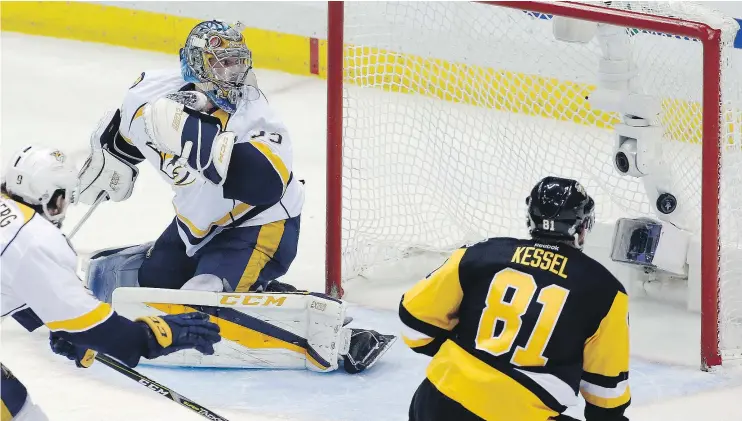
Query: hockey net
[[442, 116]]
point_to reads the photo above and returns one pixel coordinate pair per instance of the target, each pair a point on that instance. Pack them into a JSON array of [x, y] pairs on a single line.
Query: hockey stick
[[162, 390], [102, 197]]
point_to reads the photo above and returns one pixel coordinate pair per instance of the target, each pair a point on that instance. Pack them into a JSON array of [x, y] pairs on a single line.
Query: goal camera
[[651, 244]]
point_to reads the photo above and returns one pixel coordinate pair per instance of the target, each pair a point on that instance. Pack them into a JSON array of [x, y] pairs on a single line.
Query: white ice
[[53, 93]]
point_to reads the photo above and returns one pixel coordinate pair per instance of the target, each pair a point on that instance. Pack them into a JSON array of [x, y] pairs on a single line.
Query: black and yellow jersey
[[516, 328]]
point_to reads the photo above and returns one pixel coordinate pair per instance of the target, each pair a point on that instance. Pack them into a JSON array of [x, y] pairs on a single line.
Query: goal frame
[[711, 40]]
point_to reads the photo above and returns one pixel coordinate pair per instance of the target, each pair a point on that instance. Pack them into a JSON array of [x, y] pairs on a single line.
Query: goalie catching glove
[[165, 335], [190, 136]]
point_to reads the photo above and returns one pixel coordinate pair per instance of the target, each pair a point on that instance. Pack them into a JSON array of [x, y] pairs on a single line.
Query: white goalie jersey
[[201, 209]]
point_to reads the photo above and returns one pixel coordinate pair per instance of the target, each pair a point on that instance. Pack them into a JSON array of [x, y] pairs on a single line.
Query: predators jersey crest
[[175, 169], [59, 156]]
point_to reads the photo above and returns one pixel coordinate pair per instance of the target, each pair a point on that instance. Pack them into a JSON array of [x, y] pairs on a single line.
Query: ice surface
[[53, 93]]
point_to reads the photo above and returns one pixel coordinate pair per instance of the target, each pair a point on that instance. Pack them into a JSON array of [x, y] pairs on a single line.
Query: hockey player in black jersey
[[516, 327]]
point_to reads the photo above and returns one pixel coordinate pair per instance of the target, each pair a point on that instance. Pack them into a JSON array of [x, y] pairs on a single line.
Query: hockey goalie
[[211, 134]]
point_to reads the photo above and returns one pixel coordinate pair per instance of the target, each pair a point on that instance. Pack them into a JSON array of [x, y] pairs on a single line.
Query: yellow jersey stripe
[[235, 213], [435, 300], [138, 113], [275, 160], [269, 238], [26, 211], [607, 402], [5, 414], [240, 334], [223, 117], [606, 353], [482, 389], [81, 323]]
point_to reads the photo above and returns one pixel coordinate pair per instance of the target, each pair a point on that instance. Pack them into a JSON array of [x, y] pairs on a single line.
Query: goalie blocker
[[297, 330]]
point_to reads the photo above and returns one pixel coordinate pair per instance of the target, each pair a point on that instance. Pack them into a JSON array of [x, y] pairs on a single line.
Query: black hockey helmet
[[559, 209]]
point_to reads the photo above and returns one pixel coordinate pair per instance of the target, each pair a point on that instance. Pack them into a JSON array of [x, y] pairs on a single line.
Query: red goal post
[[711, 39]]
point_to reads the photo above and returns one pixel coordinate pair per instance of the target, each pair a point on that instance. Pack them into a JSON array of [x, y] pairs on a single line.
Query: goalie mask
[[43, 179], [560, 209], [216, 59]]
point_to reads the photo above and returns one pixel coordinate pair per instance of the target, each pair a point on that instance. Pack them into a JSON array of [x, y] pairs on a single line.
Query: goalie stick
[[102, 197], [162, 390]]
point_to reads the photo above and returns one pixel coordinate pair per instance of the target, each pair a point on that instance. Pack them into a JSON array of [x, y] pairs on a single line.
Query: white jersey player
[[211, 134], [40, 285]]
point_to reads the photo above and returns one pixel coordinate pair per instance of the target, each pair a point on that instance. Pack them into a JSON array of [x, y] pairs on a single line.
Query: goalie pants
[[246, 257], [16, 404]]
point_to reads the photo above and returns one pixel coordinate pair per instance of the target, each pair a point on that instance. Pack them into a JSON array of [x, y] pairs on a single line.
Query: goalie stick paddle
[[162, 390]]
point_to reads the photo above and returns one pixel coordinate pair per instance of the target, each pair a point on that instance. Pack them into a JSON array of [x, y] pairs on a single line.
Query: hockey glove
[[82, 356], [272, 286], [105, 171], [194, 138], [174, 333]]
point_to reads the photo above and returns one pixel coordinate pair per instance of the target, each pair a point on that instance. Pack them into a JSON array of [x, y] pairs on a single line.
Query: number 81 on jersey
[[510, 312]]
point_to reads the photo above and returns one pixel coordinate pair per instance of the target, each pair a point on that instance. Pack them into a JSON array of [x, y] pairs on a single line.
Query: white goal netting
[[453, 111]]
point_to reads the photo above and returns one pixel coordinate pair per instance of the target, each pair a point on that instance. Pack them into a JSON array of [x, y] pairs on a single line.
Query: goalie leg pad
[[277, 331], [113, 268]]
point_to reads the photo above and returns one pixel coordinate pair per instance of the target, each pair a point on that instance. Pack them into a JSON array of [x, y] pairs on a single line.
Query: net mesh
[[453, 111]]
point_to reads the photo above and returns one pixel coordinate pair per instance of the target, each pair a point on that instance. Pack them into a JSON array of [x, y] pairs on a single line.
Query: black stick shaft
[[162, 390]]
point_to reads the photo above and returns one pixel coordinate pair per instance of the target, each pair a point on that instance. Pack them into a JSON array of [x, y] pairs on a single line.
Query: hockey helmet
[[37, 177], [559, 209], [216, 59]]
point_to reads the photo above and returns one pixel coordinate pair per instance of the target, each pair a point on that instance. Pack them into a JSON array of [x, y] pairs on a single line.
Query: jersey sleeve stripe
[[416, 343], [604, 392], [275, 160], [415, 339], [610, 402], [604, 381], [81, 323], [138, 113], [413, 334]]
